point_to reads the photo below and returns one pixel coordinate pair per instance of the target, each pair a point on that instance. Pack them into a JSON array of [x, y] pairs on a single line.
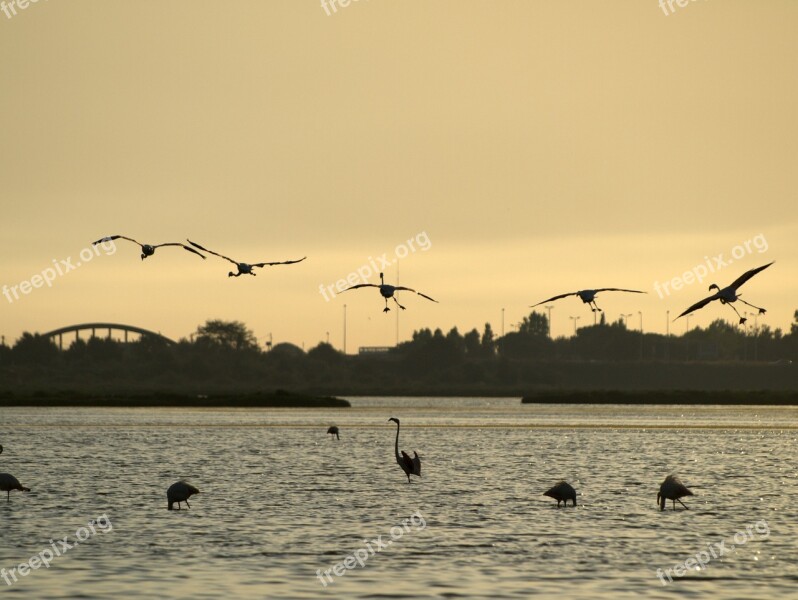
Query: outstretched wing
[[360, 285], [212, 252], [748, 274], [698, 305], [427, 297], [202, 256], [618, 290], [285, 262], [407, 289], [111, 238], [555, 298]]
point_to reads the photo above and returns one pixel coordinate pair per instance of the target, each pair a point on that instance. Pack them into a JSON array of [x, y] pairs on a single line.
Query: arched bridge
[[109, 327]]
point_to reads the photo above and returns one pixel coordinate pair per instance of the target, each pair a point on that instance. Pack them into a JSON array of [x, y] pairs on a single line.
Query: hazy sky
[[540, 147]]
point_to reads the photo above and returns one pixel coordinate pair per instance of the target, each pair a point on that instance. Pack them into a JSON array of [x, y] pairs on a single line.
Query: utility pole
[[574, 319]]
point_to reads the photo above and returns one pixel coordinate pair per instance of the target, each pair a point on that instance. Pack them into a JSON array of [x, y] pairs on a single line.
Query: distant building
[[371, 350]]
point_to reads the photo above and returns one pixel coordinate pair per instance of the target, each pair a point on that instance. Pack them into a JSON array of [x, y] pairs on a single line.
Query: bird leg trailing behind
[[761, 310]]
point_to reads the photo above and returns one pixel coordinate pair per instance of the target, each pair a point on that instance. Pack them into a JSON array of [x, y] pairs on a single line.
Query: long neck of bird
[[396, 447]]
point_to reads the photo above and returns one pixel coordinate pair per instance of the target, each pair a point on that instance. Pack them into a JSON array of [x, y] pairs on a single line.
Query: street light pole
[[548, 308], [640, 312], [667, 335], [574, 319]]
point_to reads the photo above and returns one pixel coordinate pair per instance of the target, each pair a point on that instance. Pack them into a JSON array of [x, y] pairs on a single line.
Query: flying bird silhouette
[[562, 492], [245, 268], [146, 249], [180, 492], [8, 482], [672, 489], [588, 296], [334, 431], [387, 291], [411, 466], [729, 294]]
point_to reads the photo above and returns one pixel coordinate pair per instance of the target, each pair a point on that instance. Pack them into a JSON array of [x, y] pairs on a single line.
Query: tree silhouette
[[229, 335]]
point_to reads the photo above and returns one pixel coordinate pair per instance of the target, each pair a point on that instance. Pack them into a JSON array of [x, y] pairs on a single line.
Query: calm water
[[280, 499]]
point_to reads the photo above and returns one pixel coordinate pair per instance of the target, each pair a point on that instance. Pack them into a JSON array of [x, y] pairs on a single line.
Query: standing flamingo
[[180, 492], [562, 492], [672, 489], [334, 431], [8, 482], [411, 466]]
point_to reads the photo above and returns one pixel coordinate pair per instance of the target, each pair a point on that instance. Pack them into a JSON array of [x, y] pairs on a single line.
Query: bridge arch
[[93, 327]]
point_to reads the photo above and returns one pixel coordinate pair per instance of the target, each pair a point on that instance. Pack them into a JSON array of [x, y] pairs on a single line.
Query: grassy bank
[[278, 399], [762, 397]]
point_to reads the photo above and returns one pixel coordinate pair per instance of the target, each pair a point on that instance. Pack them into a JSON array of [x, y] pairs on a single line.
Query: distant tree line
[[225, 355]]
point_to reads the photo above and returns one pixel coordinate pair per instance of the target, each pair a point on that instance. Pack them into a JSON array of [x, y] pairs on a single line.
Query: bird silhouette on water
[[562, 492], [411, 466], [180, 492], [672, 489]]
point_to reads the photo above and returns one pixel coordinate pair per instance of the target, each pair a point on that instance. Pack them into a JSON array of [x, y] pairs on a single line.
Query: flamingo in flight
[[411, 466], [180, 492], [562, 492], [588, 296], [729, 294], [387, 291], [672, 489], [245, 268], [146, 249]]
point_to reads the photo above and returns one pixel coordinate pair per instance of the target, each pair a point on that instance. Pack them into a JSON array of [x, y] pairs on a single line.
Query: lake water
[[280, 500]]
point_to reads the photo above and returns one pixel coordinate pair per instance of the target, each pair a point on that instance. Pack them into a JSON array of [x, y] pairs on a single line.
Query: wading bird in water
[[562, 492], [672, 489], [245, 268], [729, 294], [146, 249], [334, 431], [588, 296], [387, 291], [9, 482], [180, 492], [411, 466]]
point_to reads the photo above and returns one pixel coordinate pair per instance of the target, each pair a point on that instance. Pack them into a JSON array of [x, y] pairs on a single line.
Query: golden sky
[[540, 147]]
